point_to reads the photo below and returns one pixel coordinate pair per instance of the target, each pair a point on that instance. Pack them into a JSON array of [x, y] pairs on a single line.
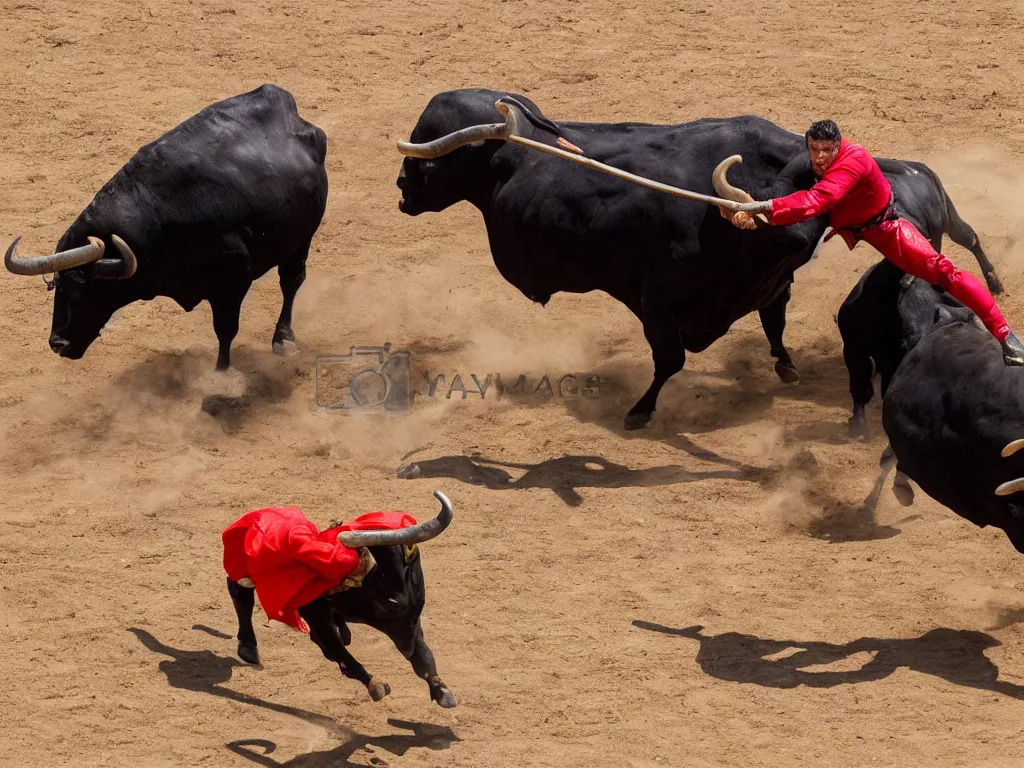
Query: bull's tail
[[963, 234], [958, 230]]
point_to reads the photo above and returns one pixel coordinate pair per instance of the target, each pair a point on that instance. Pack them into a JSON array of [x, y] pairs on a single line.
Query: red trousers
[[901, 243]]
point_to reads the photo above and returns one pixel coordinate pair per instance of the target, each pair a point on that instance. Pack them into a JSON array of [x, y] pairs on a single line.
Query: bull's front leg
[[861, 370], [226, 305], [244, 598], [662, 333], [773, 321], [324, 632], [416, 650]]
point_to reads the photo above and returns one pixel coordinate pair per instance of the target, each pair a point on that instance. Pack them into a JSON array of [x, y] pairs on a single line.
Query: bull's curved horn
[[118, 269], [728, 191], [44, 265], [1012, 447], [453, 141], [1010, 487], [414, 534], [722, 185]]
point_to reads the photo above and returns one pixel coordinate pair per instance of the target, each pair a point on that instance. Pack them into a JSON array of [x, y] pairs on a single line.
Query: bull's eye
[[409, 551]]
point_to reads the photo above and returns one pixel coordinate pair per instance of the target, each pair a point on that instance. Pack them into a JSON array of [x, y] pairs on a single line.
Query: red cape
[[289, 561]]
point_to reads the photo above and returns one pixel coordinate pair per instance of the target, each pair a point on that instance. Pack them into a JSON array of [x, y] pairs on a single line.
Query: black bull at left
[[683, 270], [390, 599], [198, 214]]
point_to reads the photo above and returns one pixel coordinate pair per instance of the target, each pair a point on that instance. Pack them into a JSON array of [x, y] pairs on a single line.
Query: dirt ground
[[685, 595]]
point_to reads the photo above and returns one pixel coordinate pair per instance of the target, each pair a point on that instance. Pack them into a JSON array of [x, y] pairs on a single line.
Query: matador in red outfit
[[852, 188]]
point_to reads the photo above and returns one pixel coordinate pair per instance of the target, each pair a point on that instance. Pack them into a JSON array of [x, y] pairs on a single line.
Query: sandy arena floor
[[602, 598]]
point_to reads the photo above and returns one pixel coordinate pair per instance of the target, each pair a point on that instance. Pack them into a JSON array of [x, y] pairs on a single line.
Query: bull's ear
[[942, 315]]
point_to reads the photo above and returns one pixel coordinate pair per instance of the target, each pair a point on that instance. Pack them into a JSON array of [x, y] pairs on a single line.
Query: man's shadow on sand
[[206, 672], [957, 656], [565, 474]]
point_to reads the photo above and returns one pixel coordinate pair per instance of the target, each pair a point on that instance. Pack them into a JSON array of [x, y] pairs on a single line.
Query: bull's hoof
[[378, 690], [637, 420], [858, 427], [866, 517], [787, 372], [285, 348], [443, 697], [248, 653], [904, 493], [995, 285]]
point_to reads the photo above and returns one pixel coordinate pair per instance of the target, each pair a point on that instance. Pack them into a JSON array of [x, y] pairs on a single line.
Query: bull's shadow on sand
[[206, 672], [562, 475], [421, 736], [955, 655], [185, 375]]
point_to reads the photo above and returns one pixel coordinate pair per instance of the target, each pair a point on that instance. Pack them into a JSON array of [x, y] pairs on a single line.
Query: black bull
[[953, 412], [198, 214], [683, 270], [390, 599], [881, 319]]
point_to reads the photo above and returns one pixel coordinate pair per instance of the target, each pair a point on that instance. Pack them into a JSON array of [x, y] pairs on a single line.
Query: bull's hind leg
[[773, 321], [243, 599], [662, 333], [324, 632], [291, 274]]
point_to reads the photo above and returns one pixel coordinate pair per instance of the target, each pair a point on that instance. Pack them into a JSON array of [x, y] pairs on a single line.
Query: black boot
[[1013, 350]]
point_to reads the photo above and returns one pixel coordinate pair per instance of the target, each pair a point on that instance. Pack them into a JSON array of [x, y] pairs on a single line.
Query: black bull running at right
[[952, 410], [681, 268]]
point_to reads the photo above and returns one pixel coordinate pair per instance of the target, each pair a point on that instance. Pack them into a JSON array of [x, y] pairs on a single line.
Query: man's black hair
[[823, 130]]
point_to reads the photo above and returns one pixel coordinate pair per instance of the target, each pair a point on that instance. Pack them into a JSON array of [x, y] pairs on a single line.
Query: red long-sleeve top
[[854, 190]]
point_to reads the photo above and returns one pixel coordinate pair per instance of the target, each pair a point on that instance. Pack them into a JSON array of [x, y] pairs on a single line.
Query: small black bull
[[683, 271], [390, 600], [954, 416], [199, 214], [883, 317]]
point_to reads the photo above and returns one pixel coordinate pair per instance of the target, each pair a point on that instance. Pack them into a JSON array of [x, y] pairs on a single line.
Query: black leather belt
[[887, 214]]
